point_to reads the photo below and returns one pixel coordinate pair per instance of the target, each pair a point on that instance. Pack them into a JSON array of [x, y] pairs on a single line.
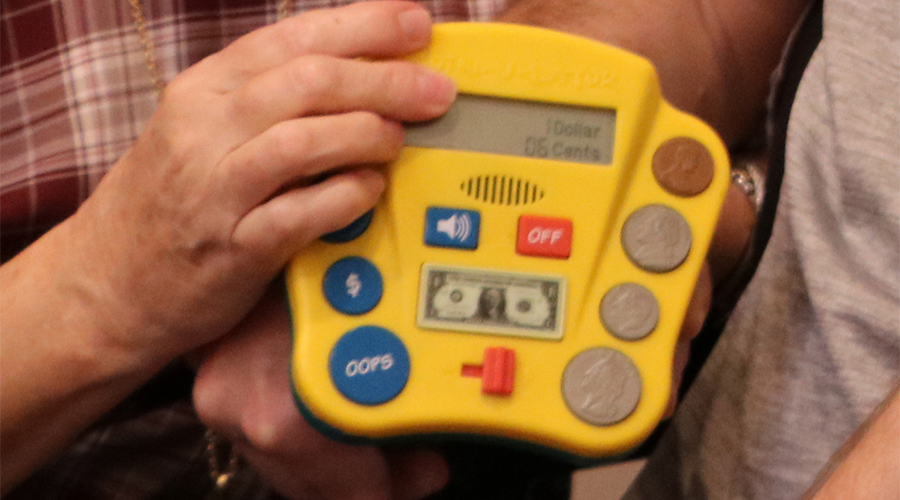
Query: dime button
[[369, 365], [353, 285], [629, 311], [683, 166], [601, 386], [656, 238]]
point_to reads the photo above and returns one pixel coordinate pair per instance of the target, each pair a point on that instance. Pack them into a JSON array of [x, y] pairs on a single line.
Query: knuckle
[[366, 125], [180, 88], [247, 172], [245, 104], [301, 35], [259, 436], [379, 136], [292, 142], [179, 147], [267, 434], [314, 77], [286, 228], [367, 121], [206, 398], [400, 76]]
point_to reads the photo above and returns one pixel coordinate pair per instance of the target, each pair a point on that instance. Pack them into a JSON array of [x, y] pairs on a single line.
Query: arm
[[184, 234], [714, 57], [868, 465]]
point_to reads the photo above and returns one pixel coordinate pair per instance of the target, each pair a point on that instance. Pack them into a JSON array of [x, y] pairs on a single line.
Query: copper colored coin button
[[683, 166]]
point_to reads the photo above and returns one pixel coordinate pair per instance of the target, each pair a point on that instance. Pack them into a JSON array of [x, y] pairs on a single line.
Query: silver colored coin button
[[601, 386], [629, 311], [656, 238]]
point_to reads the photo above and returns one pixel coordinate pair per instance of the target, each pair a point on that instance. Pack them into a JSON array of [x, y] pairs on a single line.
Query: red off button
[[544, 237]]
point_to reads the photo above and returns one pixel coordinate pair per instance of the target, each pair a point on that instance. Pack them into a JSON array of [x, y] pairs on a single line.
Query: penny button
[[683, 166]]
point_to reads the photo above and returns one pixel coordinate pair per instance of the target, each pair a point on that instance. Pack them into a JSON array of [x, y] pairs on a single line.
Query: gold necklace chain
[[221, 471], [285, 9]]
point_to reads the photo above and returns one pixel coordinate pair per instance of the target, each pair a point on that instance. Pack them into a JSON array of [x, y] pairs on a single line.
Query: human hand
[[242, 165], [243, 392]]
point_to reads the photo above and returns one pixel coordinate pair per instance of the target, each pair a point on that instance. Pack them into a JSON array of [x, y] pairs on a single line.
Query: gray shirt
[[814, 344]]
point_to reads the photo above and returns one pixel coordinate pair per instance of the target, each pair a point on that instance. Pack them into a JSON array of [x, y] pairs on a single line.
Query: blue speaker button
[[353, 285], [369, 365], [452, 227]]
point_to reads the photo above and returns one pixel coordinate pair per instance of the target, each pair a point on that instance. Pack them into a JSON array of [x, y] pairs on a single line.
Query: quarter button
[[656, 238], [601, 386]]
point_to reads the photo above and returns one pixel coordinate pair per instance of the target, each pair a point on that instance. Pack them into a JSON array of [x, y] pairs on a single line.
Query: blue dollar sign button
[[369, 365], [353, 285]]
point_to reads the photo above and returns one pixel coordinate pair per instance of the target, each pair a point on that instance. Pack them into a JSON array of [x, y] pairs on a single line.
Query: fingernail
[[436, 89], [416, 24]]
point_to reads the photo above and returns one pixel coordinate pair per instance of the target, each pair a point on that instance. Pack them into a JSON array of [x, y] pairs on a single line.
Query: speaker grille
[[502, 190]]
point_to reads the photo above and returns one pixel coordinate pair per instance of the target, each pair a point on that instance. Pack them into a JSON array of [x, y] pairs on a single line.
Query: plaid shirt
[[75, 90], [75, 93]]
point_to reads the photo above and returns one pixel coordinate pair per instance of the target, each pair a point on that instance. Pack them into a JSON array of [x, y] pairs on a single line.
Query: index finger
[[377, 30]]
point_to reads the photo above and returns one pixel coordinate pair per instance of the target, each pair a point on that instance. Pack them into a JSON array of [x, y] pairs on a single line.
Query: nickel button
[[629, 311]]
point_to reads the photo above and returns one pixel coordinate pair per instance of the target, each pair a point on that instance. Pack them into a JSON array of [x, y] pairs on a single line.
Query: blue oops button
[[369, 365]]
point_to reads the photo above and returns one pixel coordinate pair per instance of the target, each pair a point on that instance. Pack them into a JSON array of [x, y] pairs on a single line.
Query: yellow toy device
[[526, 274]]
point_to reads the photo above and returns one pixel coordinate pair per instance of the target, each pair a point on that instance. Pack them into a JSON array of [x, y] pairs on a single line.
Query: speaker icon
[[457, 227], [452, 227]]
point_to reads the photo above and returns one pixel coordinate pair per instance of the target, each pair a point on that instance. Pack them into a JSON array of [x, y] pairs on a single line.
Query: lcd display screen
[[520, 128]]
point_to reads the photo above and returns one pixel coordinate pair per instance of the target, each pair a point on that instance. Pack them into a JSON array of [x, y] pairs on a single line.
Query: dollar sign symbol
[[354, 285]]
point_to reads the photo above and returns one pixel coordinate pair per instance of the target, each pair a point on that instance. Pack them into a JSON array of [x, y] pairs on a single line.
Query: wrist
[[59, 371], [59, 304]]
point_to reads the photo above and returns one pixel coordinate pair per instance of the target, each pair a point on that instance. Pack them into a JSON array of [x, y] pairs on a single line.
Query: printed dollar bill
[[491, 302]]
